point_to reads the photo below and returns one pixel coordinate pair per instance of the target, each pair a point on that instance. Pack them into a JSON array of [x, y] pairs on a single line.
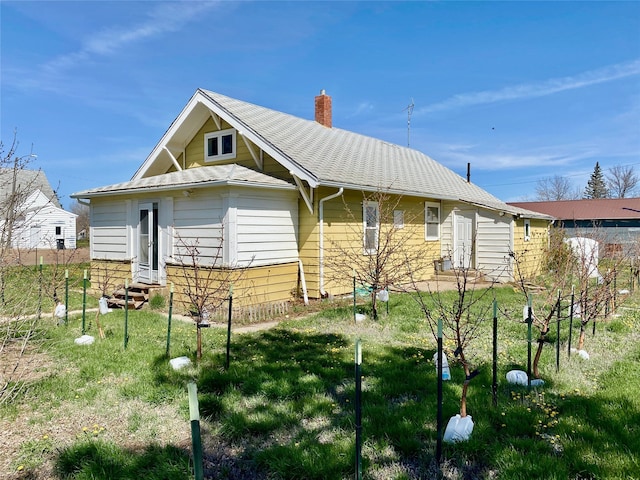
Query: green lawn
[[285, 407]]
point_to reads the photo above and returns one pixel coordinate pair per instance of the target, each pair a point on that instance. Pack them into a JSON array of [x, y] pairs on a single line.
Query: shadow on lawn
[[288, 399], [100, 460], [284, 409]]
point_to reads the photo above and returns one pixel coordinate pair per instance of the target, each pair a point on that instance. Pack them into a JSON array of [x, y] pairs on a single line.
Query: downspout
[[304, 283], [321, 253]]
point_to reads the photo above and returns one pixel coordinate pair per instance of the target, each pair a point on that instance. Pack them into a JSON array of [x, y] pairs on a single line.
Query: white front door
[[463, 251], [148, 243]]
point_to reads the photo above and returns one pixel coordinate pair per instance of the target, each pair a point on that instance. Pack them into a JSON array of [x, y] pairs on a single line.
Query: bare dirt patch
[[49, 256]]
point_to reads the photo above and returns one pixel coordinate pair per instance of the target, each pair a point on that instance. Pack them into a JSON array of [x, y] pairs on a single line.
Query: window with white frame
[[220, 145], [371, 226], [398, 218], [527, 230], [431, 221]]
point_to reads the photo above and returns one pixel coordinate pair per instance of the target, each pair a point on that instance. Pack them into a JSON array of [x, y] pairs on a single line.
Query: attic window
[[220, 145]]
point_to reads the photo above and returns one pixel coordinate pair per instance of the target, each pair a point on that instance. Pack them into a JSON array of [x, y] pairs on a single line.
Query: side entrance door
[[463, 251], [148, 243]]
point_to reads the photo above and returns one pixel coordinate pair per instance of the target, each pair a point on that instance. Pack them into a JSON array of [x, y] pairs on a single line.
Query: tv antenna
[[409, 110]]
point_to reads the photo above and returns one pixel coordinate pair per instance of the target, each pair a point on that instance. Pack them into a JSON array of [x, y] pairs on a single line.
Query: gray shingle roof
[[192, 178], [324, 156], [27, 181], [340, 157]]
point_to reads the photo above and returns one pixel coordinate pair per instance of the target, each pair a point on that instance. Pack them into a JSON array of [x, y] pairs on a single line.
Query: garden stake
[[615, 288], [358, 362], [66, 297], [388, 300], [226, 365], [494, 384], [593, 327], [84, 300], [169, 322], [196, 440], [354, 295], [40, 290], [126, 312], [529, 322], [439, 363], [573, 299], [558, 336]]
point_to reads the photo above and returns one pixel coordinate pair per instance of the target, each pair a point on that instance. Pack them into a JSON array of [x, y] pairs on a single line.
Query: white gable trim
[[200, 98], [307, 197], [173, 159], [258, 159]]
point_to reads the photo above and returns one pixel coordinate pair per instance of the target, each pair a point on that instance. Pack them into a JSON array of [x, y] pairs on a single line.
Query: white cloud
[[361, 108], [531, 90], [165, 18], [550, 156]]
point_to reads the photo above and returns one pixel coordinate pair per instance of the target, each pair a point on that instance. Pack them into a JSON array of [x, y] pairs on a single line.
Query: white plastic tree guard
[[458, 429]]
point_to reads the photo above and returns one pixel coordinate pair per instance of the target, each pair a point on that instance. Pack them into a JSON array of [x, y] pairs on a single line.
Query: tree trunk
[[199, 342], [463, 399], [581, 338], [536, 359], [374, 306], [465, 386]]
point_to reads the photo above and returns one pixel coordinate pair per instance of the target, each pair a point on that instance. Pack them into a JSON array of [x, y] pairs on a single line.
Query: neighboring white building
[[38, 219], [40, 224]]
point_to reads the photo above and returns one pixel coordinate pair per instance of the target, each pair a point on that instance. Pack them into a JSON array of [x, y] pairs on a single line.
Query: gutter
[[183, 186], [321, 239]]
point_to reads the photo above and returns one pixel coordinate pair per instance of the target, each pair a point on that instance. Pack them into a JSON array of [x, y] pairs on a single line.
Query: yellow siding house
[[272, 203]]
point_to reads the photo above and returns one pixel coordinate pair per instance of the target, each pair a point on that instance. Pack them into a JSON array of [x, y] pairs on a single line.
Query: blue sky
[[520, 90]]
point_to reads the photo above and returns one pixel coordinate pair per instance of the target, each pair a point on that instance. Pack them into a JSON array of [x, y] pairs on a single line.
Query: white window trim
[[370, 251], [426, 211], [527, 229], [219, 134]]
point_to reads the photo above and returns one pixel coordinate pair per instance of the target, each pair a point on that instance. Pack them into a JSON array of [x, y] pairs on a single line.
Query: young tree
[[622, 181], [544, 304], [461, 314], [596, 186], [555, 188], [378, 245], [594, 279], [207, 283], [18, 329]]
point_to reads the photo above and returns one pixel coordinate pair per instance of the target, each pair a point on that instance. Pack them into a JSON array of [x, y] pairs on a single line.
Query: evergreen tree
[[596, 186]]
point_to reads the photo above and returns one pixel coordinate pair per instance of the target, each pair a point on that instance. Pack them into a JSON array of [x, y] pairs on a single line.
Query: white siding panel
[[197, 222], [109, 230], [493, 244], [39, 229], [267, 226]]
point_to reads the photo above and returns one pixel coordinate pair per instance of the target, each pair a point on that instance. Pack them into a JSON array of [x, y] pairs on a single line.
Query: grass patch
[[97, 459], [284, 409]]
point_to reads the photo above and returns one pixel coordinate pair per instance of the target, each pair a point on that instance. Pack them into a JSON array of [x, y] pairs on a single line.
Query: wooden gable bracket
[[307, 197], [259, 159], [216, 120], [173, 159]]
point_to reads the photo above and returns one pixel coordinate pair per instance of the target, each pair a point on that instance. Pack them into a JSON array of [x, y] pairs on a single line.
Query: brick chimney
[[323, 109]]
